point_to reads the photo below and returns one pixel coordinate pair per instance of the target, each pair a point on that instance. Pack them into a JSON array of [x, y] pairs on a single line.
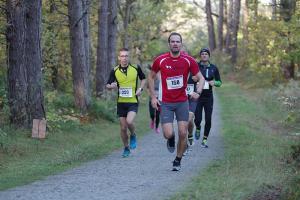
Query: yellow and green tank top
[[127, 80]]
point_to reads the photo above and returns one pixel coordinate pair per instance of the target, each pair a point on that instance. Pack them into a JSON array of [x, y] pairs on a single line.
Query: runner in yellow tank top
[[124, 77]]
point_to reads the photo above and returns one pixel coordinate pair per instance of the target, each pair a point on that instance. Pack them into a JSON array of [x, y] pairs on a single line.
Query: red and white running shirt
[[174, 73]]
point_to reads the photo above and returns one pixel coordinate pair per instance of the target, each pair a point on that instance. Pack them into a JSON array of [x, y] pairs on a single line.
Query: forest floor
[[145, 174]]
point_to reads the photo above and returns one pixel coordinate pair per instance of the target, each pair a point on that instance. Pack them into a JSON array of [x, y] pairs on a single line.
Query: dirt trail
[[146, 174]]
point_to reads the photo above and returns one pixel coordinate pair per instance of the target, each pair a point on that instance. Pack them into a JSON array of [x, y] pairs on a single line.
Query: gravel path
[[146, 174]]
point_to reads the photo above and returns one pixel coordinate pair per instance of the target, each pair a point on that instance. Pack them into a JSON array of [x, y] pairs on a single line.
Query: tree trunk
[[235, 29], [25, 94], [245, 23], [102, 59], [288, 66], [274, 10], [33, 60], [78, 55], [210, 26], [17, 77], [220, 25], [287, 9], [126, 22], [112, 34], [87, 45], [229, 27], [255, 10]]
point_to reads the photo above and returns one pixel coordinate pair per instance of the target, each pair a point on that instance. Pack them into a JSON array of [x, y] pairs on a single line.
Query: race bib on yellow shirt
[[175, 82], [125, 92], [189, 89]]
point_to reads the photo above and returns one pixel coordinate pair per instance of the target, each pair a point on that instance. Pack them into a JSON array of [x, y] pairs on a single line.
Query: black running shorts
[[124, 108]]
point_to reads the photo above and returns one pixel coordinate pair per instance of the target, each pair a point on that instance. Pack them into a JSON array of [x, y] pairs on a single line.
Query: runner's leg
[[167, 130], [182, 137], [123, 131], [129, 120], [208, 108]]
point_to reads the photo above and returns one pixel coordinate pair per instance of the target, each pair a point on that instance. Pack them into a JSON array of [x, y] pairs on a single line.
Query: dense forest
[[56, 55]]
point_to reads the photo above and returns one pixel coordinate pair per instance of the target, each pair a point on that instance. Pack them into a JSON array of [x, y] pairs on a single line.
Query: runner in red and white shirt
[[174, 68]]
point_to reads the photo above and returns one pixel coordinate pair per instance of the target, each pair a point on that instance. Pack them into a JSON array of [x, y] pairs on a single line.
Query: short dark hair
[[174, 33], [124, 49]]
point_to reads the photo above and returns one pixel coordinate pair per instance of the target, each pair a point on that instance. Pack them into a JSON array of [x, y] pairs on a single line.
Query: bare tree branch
[[198, 5]]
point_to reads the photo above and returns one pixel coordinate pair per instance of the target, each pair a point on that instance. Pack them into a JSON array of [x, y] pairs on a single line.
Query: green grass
[[257, 149], [23, 159]]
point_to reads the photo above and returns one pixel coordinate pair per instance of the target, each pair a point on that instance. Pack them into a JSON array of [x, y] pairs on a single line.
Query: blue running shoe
[[126, 152], [197, 134], [132, 141]]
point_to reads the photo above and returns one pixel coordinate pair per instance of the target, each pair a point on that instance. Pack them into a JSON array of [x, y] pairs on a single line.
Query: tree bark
[[87, 45], [112, 34], [33, 60], [16, 74], [102, 59], [25, 94], [245, 22], [274, 10], [78, 55], [220, 25], [235, 29], [229, 27], [210, 26], [126, 22]]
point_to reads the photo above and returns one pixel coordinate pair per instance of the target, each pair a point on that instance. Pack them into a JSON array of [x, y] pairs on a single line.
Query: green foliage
[[60, 111], [3, 141], [145, 28], [265, 50], [271, 46], [103, 109], [223, 63], [55, 45], [289, 96]]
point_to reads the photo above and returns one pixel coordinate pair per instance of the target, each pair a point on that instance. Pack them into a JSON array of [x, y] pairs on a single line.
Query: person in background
[[193, 96], [154, 113], [206, 99], [193, 99], [124, 77], [174, 68]]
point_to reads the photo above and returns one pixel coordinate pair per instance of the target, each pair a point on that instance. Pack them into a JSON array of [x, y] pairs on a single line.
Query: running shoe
[[152, 124], [204, 144], [176, 165], [132, 141], [157, 130], [191, 140], [197, 134], [171, 144], [126, 152]]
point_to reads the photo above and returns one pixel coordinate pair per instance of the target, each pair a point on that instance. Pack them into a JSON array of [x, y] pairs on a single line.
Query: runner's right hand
[[155, 103], [113, 85]]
